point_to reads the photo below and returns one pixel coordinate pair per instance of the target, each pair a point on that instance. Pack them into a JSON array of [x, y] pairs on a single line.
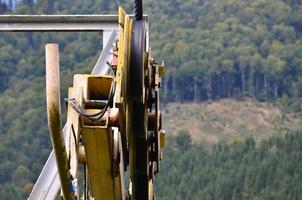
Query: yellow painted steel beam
[[121, 55], [123, 62], [97, 137], [98, 157]]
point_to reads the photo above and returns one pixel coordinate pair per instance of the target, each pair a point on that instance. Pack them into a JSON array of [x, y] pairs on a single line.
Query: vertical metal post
[[54, 119]]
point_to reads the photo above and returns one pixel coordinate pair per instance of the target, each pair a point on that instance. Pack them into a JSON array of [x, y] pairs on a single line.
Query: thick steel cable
[[138, 9]]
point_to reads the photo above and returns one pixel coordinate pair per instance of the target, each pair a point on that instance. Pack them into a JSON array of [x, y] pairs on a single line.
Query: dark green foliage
[[240, 171], [230, 48], [183, 140], [9, 192]]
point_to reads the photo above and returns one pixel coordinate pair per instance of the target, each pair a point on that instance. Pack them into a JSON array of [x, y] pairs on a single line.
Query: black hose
[[138, 9], [95, 116]]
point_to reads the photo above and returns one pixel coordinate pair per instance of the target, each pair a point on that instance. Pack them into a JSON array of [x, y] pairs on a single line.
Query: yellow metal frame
[[97, 139]]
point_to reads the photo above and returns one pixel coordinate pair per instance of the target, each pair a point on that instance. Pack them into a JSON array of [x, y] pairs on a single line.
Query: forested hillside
[[244, 170], [230, 48], [212, 50]]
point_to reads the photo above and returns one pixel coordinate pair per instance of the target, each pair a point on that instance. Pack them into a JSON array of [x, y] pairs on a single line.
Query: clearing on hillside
[[228, 120]]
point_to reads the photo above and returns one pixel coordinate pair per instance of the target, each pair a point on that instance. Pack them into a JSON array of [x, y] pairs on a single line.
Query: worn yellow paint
[[161, 71], [123, 62], [162, 139], [121, 55], [97, 136], [97, 139], [128, 28], [98, 157], [70, 143], [98, 87], [150, 190]]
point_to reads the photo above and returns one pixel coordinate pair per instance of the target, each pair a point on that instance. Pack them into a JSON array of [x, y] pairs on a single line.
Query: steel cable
[[138, 9]]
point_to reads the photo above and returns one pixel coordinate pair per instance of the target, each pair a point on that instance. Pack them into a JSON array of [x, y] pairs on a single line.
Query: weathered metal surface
[[97, 138], [54, 119], [55, 23], [72, 138], [122, 57], [98, 156]]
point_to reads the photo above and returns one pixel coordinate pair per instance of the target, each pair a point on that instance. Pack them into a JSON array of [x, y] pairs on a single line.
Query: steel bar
[[56, 23]]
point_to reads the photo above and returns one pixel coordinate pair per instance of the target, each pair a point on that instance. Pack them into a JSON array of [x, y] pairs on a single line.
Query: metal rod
[[55, 23], [54, 119]]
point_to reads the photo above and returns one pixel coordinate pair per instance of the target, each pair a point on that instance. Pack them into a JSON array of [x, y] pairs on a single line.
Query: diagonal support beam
[[109, 38], [48, 184]]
